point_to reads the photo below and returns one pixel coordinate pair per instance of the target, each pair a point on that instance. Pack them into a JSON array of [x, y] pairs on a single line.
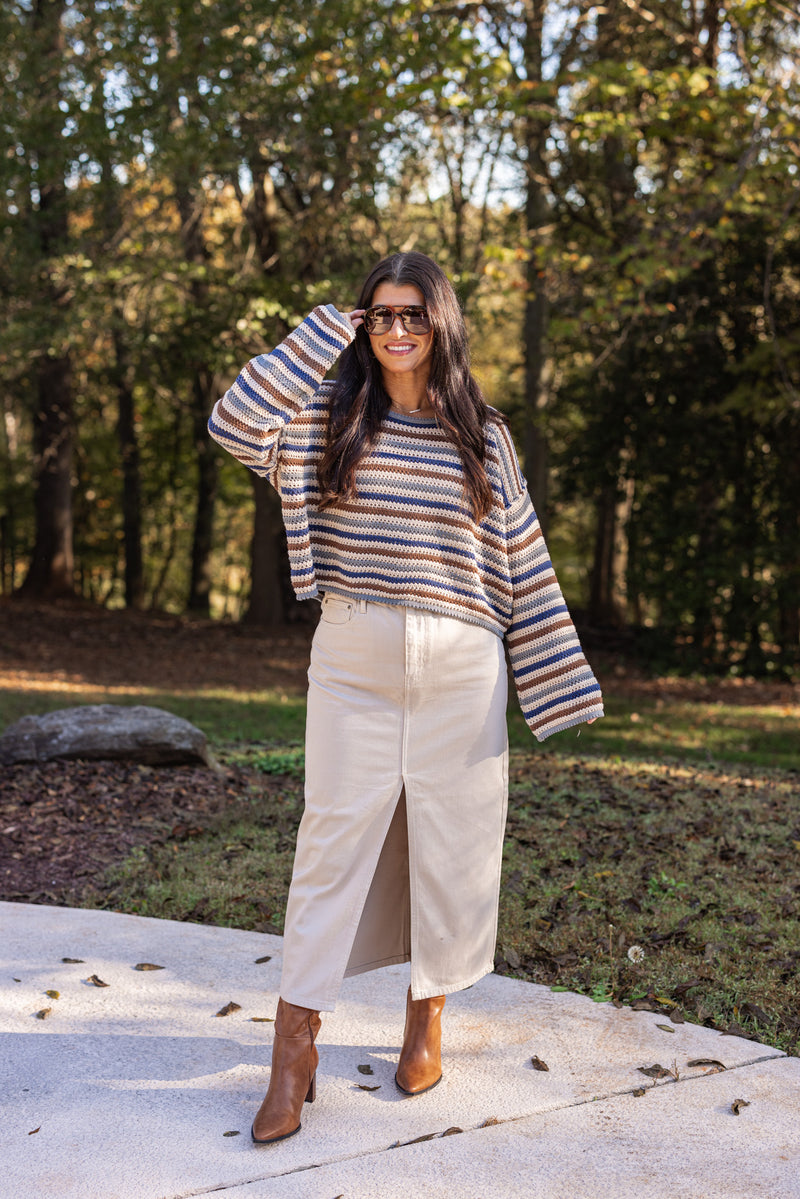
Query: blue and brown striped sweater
[[408, 537]]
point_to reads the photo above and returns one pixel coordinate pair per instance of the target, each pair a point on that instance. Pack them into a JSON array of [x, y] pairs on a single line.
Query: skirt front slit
[[400, 846]]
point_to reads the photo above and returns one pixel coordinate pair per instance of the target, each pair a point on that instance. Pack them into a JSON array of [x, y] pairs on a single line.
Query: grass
[[671, 829], [653, 729], [225, 715]]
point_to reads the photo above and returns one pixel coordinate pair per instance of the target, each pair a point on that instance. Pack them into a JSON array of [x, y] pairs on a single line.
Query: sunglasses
[[380, 318]]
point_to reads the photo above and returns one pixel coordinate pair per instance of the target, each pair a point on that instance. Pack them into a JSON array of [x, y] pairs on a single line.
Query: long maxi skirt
[[399, 849]]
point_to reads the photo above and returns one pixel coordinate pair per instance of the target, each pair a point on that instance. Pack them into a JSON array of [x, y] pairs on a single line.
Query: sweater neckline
[[411, 418]]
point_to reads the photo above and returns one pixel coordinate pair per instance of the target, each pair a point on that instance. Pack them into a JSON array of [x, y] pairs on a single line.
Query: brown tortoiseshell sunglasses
[[380, 318]]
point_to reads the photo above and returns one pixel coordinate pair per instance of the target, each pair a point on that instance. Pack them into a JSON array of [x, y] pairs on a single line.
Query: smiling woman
[[401, 339], [407, 515]]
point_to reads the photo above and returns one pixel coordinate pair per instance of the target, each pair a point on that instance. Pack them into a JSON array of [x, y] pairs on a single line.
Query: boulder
[[106, 731]]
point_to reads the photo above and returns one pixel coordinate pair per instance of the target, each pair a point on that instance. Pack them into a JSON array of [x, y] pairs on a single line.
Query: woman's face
[[398, 351]]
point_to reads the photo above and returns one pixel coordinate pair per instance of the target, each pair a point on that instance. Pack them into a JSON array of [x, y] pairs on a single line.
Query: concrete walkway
[[128, 1091]]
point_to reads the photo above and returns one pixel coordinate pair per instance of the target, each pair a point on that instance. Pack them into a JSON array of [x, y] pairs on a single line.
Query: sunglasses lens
[[379, 320], [416, 320]]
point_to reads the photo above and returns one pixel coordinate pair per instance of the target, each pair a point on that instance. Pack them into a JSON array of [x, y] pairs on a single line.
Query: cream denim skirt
[[400, 846]]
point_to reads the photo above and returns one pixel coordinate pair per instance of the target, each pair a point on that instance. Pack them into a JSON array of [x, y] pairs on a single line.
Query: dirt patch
[[62, 824], [80, 644]]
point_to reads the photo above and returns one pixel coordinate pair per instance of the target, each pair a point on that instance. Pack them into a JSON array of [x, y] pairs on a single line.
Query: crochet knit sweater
[[408, 537]]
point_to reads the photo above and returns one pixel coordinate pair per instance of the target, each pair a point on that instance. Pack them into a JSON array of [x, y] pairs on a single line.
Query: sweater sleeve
[[555, 684], [275, 388]]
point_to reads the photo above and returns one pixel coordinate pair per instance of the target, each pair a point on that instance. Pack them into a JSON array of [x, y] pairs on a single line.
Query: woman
[[407, 515]]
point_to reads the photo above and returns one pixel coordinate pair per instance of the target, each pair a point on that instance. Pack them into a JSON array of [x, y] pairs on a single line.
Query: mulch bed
[[62, 824]]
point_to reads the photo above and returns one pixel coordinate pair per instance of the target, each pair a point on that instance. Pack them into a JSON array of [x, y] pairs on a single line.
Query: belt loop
[[362, 604]]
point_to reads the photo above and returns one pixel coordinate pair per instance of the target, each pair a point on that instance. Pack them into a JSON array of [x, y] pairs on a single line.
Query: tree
[[44, 199]]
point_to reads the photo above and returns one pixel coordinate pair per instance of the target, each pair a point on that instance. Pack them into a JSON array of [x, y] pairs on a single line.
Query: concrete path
[[128, 1091]]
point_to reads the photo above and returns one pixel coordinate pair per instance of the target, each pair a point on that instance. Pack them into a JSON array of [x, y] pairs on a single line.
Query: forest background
[[613, 190]]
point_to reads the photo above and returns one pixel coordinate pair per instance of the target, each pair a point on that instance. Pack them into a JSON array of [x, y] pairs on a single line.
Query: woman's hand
[[356, 317]]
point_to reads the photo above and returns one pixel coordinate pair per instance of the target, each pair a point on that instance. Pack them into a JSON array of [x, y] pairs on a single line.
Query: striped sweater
[[408, 537]]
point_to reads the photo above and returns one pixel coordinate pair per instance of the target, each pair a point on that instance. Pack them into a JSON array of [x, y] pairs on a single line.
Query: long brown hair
[[359, 401]]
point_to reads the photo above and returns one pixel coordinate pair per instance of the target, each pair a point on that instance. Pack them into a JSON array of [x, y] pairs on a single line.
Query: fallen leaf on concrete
[[451, 1132], [538, 1064], [44, 1013], [17, 980], [665, 1028], [655, 1071], [706, 1061], [738, 1104], [492, 1120], [33, 1130], [429, 1136], [233, 1133], [637, 1094], [148, 966], [73, 961], [97, 982], [263, 1019], [365, 1069], [363, 1087], [229, 1007], [260, 961], [53, 994]]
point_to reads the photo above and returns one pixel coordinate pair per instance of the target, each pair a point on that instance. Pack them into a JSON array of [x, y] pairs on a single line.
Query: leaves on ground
[[738, 1104], [97, 982], [148, 966], [44, 1013], [655, 1071], [260, 961], [363, 1087], [229, 1007], [53, 994], [538, 1064]]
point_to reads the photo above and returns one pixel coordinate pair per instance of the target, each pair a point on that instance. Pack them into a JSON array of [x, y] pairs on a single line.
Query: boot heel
[[312, 1090]]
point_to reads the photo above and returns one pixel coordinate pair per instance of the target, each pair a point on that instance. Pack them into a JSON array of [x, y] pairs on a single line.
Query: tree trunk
[[788, 539], [50, 572], [131, 477], [534, 441], [601, 606], [51, 568], [267, 556], [207, 477], [190, 207], [608, 600]]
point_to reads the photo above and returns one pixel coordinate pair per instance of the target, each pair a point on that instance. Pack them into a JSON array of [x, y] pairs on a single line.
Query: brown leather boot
[[293, 1075], [420, 1065]]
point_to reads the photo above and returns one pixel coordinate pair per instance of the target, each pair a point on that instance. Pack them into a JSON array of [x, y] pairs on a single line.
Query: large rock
[[106, 731]]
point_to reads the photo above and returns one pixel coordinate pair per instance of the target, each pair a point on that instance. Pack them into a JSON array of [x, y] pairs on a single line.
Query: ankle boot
[[292, 1078], [420, 1065]]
